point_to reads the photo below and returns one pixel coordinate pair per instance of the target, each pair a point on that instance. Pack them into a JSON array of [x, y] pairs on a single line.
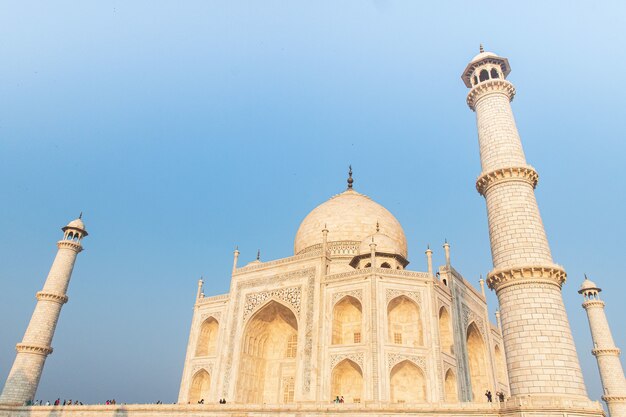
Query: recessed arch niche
[[200, 386], [347, 382], [403, 322], [207, 339], [407, 383], [267, 356], [347, 320], [477, 358]]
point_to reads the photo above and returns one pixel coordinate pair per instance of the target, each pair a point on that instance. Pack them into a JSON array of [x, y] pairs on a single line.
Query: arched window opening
[[407, 383], [500, 365], [450, 388], [494, 73], [484, 75], [477, 358], [200, 385], [70, 236], [267, 364], [475, 80], [404, 322], [347, 382], [347, 319], [446, 340], [368, 265], [207, 340], [385, 265]]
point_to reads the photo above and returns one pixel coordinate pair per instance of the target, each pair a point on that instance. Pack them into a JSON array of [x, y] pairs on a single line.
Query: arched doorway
[[407, 383], [207, 340], [347, 382], [477, 358], [403, 322], [200, 385], [450, 388], [268, 356], [347, 318], [445, 331]]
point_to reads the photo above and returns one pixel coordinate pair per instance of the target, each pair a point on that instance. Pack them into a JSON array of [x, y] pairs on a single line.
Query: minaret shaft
[[25, 374], [606, 353], [540, 352]]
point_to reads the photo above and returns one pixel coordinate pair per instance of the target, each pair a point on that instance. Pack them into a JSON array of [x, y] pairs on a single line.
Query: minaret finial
[[258, 255], [377, 226], [350, 180], [585, 274], [481, 48], [80, 216]]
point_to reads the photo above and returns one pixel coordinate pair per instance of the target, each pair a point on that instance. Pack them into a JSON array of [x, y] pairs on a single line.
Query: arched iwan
[[445, 331], [404, 322], [268, 356], [450, 387], [200, 386], [407, 383], [347, 318], [477, 358], [207, 339], [347, 382]]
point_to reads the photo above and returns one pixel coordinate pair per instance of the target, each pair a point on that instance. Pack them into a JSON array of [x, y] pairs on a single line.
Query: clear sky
[[182, 129]]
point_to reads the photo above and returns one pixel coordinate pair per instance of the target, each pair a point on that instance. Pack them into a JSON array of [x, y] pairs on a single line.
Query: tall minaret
[[23, 379], [605, 351], [540, 353]]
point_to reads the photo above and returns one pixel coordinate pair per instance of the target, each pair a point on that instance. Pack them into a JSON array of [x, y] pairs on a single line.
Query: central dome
[[349, 217]]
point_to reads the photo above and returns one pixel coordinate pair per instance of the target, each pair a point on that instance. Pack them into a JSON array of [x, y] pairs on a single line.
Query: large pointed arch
[[268, 359], [404, 324], [347, 382], [200, 386], [347, 321], [407, 383], [450, 387], [477, 358], [207, 339]]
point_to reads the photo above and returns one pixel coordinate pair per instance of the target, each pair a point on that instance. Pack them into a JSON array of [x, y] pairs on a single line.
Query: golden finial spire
[[80, 216], [481, 48], [258, 255], [350, 180]]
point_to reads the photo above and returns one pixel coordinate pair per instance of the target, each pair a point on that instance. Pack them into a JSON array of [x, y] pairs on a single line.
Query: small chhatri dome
[[485, 57], [77, 224], [588, 285], [350, 217]]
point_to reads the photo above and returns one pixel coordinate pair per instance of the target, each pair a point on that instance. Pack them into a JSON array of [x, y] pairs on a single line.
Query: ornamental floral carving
[[215, 314], [413, 295], [354, 357], [208, 367], [291, 295], [395, 358], [470, 316], [358, 294]]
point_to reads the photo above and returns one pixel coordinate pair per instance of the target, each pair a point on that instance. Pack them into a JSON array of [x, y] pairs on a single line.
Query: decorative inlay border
[[385, 271], [206, 366], [217, 315], [502, 278], [395, 358], [413, 295], [214, 298], [37, 349], [261, 265], [354, 357], [497, 85], [46, 296], [290, 295], [526, 174], [470, 316], [606, 351], [358, 294], [308, 343], [336, 248]]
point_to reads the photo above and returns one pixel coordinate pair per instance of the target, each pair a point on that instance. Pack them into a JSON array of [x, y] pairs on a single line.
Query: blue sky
[[184, 129]]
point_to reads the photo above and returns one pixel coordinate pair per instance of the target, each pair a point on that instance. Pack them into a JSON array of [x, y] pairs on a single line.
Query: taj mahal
[[345, 317]]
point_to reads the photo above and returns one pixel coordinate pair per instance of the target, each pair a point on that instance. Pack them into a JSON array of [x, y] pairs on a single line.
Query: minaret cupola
[[484, 67], [75, 230]]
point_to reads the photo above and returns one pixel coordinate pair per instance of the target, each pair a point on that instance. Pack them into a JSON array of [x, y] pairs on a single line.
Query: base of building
[[521, 406]]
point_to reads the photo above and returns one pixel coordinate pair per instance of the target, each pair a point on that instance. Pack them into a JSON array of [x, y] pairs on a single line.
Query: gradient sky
[[182, 129]]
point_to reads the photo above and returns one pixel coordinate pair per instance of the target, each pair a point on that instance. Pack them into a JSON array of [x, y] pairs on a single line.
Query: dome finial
[[258, 255], [80, 216], [377, 226], [481, 48], [350, 180]]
